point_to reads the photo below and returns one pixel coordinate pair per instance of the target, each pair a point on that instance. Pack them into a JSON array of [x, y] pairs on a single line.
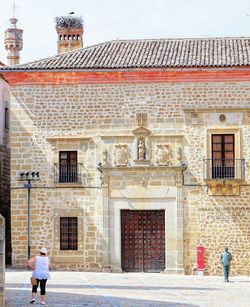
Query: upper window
[[223, 156], [68, 233], [68, 166], [6, 119]]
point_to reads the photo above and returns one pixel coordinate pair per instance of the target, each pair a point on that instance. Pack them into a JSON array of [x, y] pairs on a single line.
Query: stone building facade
[[142, 149], [5, 162], [2, 261]]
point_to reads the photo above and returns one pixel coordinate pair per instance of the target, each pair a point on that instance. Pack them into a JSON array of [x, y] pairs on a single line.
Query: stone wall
[[5, 196], [102, 106], [216, 222], [91, 118], [2, 261], [47, 206]]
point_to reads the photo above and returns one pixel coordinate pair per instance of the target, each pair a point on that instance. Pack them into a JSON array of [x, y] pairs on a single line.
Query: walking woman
[[40, 266]]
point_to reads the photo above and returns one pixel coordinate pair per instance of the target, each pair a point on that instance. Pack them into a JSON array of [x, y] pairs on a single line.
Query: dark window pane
[[217, 147], [229, 155], [217, 155], [229, 147], [216, 138], [229, 138]]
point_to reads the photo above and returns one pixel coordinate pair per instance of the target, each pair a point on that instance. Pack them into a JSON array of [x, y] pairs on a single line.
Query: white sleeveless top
[[41, 268]]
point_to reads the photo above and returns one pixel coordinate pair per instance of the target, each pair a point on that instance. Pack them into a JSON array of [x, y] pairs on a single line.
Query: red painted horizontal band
[[128, 76]]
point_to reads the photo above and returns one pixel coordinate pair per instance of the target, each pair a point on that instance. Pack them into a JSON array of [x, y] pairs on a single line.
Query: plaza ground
[[129, 289]]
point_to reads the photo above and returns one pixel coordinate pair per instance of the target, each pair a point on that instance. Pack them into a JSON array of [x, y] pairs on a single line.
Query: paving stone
[[129, 290]]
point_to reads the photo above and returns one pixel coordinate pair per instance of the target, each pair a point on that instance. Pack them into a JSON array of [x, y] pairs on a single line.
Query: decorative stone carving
[[105, 158], [179, 155], [104, 181], [223, 189], [142, 122], [121, 155], [142, 119], [53, 145], [178, 181], [141, 131], [141, 149], [163, 155], [160, 155], [222, 118]]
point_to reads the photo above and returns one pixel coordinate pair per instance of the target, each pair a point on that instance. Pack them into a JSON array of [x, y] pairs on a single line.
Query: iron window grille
[[68, 173], [68, 233], [224, 169]]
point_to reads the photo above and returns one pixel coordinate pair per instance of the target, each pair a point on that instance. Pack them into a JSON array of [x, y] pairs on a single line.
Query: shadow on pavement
[[58, 299]]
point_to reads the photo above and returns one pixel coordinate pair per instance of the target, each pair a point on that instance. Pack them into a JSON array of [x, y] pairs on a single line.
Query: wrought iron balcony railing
[[224, 168], [68, 173]]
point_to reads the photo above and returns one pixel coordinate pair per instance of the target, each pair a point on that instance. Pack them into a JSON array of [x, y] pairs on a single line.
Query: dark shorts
[[42, 286]]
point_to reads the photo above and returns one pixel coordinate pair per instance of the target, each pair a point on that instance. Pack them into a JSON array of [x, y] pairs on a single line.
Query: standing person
[[225, 259], [40, 266]]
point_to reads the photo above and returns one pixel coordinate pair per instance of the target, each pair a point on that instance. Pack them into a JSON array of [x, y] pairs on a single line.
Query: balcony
[[68, 173], [226, 169]]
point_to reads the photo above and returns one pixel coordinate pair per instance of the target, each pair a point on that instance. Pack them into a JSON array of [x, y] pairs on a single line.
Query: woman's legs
[[42, 289], [34, 290]]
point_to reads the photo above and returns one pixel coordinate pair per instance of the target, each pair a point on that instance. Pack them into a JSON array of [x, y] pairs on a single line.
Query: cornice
[[19, 78]]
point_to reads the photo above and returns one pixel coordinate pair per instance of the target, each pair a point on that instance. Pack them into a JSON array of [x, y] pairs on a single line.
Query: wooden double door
[[143, 240]]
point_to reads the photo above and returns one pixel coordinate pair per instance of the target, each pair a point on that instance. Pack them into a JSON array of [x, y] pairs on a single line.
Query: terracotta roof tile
[[154, 53]]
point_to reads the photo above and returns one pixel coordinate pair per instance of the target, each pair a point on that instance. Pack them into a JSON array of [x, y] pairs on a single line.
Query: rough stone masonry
[[2, 261], [92, 118]]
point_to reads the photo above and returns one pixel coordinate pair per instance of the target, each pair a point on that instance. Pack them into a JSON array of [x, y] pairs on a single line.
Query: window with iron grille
[[68, 166], [68, 233], [223, 160]]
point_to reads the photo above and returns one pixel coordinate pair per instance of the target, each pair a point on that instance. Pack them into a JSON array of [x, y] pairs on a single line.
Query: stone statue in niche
[[141, 149], [121, 155], [163, 155]]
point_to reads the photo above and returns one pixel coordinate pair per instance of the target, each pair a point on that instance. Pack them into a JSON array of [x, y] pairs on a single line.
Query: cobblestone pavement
[[129, 290]]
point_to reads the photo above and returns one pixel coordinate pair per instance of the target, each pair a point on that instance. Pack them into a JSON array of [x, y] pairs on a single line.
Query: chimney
[[13, 42], [70, 31]]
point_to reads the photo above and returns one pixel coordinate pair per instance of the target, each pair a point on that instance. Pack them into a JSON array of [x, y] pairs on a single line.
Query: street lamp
[[29, 177]]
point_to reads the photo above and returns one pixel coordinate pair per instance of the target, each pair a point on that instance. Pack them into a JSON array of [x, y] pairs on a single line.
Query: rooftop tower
[[70, 31], [13, 42]]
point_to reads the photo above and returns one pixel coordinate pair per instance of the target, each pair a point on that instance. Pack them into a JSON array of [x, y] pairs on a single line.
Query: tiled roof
[[153, 53]]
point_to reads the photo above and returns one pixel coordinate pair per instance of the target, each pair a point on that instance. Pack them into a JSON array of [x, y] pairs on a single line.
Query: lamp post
[[29, 176]]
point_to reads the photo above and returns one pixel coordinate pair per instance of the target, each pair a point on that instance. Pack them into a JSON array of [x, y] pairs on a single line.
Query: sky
[[106, 20]]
